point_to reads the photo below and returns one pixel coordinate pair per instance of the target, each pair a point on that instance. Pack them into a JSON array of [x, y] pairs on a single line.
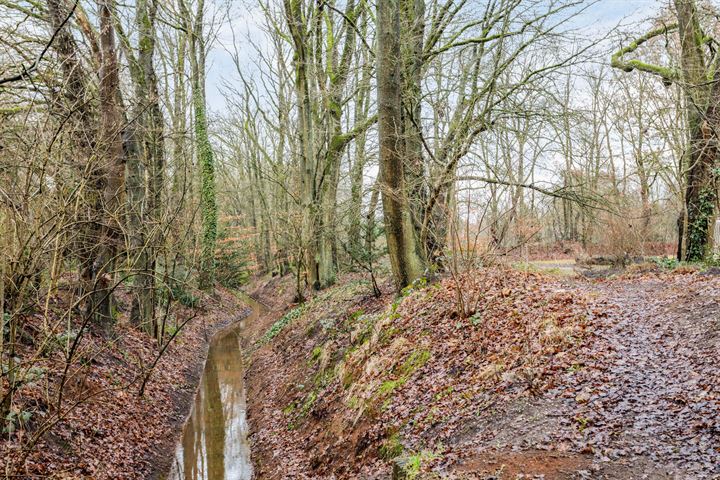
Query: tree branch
[[562, 193], [668, 74], [25, 72]]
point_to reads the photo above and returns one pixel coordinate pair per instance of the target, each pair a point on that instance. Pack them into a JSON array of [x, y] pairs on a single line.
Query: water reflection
[[214, 444]]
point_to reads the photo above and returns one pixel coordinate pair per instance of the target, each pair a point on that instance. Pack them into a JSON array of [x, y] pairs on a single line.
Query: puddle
[[214, 444]]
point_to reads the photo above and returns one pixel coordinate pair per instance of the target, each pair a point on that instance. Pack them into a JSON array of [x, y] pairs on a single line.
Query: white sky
[[245, 17]]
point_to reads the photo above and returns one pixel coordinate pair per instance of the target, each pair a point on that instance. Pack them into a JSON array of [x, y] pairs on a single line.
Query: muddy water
[[214, 445]]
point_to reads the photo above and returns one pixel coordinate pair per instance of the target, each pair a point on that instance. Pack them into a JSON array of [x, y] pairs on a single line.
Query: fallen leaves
[[650, 388], [624, 371], [510, 347], [112, 433]]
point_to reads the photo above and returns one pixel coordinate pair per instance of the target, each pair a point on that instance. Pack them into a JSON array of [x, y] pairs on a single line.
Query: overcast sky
[[598, 19]]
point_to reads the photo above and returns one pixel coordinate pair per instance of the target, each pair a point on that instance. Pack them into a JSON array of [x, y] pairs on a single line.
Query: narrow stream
[[214, 444]]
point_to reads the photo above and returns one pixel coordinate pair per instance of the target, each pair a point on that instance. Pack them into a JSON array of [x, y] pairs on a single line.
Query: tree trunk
[[406, 263], [370, 221], [412, 32], [357, 170], [144, 216], [205, 154], [356, 194], [294, 17], [703, 120], [328, 232], [109, 177]]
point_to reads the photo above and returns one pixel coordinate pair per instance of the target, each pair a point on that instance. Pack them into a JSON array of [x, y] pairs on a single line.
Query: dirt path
[[649, 399], [643, 401]]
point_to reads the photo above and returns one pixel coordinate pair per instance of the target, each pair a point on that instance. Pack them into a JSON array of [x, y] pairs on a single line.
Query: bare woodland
[[402, 139]]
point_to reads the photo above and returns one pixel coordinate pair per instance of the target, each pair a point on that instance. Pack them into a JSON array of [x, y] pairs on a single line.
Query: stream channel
[[214, 443]]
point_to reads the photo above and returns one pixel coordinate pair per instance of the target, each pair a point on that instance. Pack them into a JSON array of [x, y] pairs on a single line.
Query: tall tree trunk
[[329, 179], [370, 221], [412, 33], [262, 214], [702, 118], [301, 58], [110, 176], [144, 215], [181, 188], [406, 263], [328, 232], [356, 192], [205, 154], [362, 107]]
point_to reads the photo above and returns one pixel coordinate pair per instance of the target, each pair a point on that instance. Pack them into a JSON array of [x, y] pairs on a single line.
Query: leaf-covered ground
[[107, 431], [543, 378], [650, 383]]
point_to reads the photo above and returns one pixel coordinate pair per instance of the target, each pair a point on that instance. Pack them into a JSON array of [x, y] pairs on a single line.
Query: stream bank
[[538, 382], [106, 430]]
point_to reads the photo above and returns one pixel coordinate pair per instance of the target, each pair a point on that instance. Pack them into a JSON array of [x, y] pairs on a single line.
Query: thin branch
[[25, 72], [562, 193]]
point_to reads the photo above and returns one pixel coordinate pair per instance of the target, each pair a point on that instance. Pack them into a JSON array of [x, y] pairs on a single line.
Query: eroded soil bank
[[545, 377], [107, 430]]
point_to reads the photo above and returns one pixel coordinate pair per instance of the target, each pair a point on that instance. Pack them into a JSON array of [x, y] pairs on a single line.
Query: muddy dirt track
[[644, 403]]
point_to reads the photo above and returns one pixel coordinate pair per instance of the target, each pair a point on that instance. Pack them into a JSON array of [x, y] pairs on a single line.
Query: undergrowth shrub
[[281, 323], [713, 260], [179, 293], [231, 259], [622, 236], [668, 263]]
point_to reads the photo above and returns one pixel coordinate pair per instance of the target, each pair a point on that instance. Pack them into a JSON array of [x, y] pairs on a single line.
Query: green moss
[[445, 393], [323, 379], [416, 360], [309, 403], [279, 325], [414, 463], [387, 387], [350, 350], [317, 351], [388, 334], [393, 309], [617, 60], [416, 285], [368, 323], [391, 447], [289, 409], [348, 379]]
